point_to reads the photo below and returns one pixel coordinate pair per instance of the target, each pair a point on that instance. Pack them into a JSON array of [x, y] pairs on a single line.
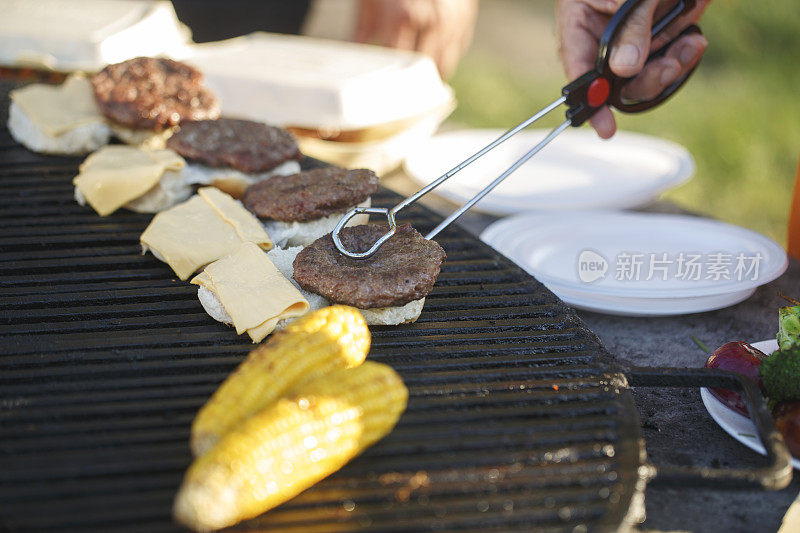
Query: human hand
[[440, 28], [580, 25]]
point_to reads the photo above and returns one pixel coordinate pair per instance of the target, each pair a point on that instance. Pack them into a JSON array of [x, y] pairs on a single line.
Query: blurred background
[[739, 116]]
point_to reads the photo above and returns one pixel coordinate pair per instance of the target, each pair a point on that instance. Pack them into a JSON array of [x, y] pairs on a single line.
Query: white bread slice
[[170, 190], [213, 306], [287, 234], [391, 316], [233, 181], [382, 316], [76, 141]]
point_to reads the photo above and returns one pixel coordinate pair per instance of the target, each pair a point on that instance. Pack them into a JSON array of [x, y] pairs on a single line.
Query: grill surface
[[516, 419]]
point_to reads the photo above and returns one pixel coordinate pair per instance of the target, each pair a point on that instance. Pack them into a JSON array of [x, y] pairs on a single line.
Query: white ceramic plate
[[578, 170], [738, 426], [640, 264]]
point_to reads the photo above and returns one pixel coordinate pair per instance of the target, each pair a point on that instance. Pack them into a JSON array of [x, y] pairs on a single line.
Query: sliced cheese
[[116, 175], [143, 138], [246, 225], [193, 234], [169, 158], [56, 109], [252, 290]]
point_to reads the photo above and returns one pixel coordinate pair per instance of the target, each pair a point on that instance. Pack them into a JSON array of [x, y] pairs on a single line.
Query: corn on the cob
[[332, 337], [290, 445]]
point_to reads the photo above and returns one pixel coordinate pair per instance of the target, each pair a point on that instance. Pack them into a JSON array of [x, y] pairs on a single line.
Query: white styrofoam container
[[67, 35], [317, 83]]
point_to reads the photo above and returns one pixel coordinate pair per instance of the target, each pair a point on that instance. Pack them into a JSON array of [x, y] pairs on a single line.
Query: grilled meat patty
[[403, 269], [310, 194], [151, 93], [247, 146]]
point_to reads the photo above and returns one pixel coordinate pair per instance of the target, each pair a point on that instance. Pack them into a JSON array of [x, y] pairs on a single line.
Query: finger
[[367, 22], [609, 7], [603, 123], [401, 35], [429, 41], [672, 31], [433, 41], [448, 57], [468, 27], [579, 28], [630, 49], [682, 56], [653, 79]]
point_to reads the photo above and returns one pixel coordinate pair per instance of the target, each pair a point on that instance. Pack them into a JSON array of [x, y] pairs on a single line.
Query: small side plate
[[578, 170], [737, 426]]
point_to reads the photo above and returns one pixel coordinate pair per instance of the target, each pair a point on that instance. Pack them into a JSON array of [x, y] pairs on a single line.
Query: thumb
[[631, 47]]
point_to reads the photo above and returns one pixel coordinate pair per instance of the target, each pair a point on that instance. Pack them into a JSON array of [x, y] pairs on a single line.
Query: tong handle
[[627, 106], [600, 86]]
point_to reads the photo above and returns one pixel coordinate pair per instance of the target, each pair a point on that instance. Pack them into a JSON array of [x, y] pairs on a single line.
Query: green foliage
[[749, 32], [780, 373], [739, 116], [788, 327]]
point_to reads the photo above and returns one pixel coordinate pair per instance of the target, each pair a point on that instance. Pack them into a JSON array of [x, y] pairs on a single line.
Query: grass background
[[739, 116]]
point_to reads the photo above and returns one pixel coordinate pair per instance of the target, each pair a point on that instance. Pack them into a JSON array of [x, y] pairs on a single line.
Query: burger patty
[[311, 194], [245, 145], [150, 93], [403, 269]]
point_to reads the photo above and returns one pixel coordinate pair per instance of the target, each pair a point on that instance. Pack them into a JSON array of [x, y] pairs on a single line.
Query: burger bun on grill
[[283, 258], [76, 141], [154, 140], [170, 190], [289, 234], [232, 181]]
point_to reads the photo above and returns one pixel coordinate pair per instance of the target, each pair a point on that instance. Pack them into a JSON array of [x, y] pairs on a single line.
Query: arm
[[440, 28]]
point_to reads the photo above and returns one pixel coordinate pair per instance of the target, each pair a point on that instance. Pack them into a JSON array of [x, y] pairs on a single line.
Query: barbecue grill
[[518, 418]]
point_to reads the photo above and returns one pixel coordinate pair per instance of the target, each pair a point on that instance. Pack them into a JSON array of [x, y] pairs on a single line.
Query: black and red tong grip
[[600, 86]]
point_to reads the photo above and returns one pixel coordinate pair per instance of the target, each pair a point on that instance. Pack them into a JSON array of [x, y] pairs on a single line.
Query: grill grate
[[514, 419]]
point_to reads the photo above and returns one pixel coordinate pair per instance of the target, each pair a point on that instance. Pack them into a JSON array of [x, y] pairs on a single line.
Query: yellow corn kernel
[[290, 445], [332, 337], [375, 388]]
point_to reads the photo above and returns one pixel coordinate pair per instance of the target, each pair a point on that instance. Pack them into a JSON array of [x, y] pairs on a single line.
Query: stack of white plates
[[639, 263]]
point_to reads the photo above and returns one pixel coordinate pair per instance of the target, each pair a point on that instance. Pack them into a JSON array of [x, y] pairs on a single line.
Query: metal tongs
[[584, 97]]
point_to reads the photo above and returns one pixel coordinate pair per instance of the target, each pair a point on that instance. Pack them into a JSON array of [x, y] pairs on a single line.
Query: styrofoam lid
[[316, 83], [86, 34]]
